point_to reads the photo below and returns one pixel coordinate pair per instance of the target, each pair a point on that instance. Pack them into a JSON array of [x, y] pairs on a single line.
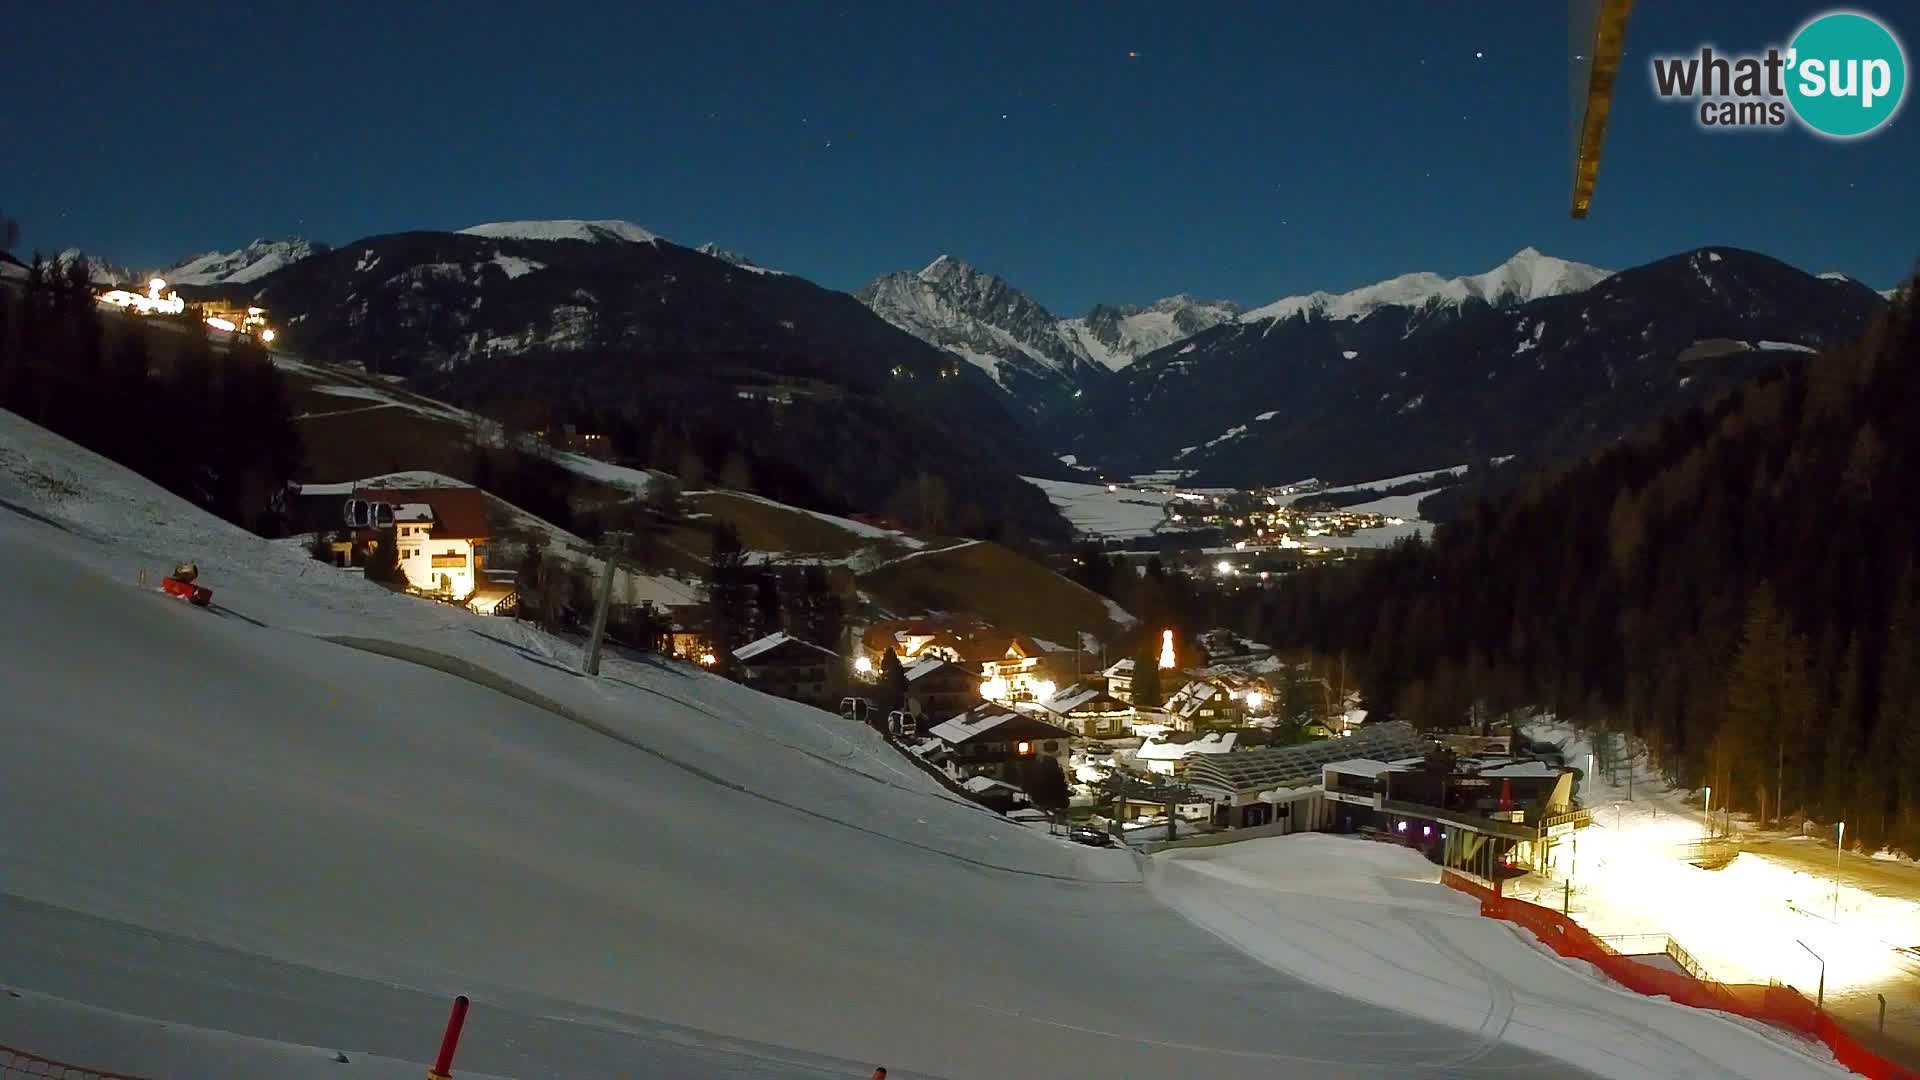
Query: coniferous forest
[[1739, 586], [211, 425]]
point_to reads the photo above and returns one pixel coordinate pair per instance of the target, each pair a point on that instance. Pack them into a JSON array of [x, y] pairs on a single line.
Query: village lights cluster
[[159, 300], [152, 303]]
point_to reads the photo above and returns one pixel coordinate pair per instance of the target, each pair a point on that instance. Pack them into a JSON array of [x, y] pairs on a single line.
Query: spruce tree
[[730, 593], [893, 686], [1894, 776], [766, 605], [1147, 692], [1841, 775], [1044, 782]]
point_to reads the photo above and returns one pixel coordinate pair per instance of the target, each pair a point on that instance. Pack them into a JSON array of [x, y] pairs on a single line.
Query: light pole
[[1839, 845], [1820, 995], [1706, 811]]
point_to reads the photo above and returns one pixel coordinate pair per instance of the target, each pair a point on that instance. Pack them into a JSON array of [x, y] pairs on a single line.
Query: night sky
[[1087, 152]]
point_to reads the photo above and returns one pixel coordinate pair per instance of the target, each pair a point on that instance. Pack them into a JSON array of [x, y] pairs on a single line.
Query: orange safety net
[[1772, 1004]]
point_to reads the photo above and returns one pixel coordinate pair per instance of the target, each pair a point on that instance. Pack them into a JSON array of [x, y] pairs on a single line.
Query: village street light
[[863, 666]]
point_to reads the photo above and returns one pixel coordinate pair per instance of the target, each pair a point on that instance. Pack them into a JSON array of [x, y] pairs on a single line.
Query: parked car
[[1090, 836]]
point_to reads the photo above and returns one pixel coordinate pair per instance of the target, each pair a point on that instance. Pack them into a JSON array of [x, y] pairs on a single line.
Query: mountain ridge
[[1401, 388]]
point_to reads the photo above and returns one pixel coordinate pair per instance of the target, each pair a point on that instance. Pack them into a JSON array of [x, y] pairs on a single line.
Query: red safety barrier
[[1774, 1004], [18, 1064]]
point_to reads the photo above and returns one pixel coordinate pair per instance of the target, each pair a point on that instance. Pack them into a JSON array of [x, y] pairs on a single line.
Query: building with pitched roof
[[1119, 676], [785, 666], [1236, 781], [441, 534], [1088, 710], [997, 741], [1205, 703], [938, 690]]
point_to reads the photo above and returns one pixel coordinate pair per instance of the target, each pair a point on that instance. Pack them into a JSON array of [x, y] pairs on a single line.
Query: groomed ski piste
[[256, 838]]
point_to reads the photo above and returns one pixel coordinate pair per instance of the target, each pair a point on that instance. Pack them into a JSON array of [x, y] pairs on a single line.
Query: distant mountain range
[[1539, 357], [804, 389], [250, 263], [1042, 361]]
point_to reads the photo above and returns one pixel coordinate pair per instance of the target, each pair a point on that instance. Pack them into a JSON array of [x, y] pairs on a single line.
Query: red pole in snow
[[443, 1065]]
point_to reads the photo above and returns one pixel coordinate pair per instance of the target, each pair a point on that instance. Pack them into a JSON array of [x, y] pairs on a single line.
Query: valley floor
[[280, 846]]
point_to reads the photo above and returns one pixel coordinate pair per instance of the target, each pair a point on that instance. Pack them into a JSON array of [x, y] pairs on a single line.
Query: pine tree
[[1768, 699], [1147, 692], [1096, 570], [384, 564], [817, 614], [766, 605], [1043, 780], [893, 685], [730, 595], [1894, 778], [1841, 775]]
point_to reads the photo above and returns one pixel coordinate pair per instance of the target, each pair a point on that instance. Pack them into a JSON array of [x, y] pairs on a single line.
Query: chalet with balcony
[[1089, 711], [788, 667], [995, 741], [938, 690], [441, 534], [1205, 703]]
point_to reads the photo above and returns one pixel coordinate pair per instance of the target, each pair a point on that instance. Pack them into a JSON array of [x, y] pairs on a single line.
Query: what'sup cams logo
[[1842, 76]]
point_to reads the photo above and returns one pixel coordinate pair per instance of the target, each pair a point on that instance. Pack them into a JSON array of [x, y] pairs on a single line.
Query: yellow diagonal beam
[[1609, 37]]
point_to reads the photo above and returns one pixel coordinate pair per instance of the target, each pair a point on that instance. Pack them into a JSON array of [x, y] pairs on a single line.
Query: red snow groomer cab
[[180, 584]]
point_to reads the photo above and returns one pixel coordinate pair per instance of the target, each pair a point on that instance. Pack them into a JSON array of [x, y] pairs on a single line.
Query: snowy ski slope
[[282, 846]]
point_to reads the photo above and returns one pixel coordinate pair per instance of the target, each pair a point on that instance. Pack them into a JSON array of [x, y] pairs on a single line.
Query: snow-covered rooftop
[[765, 644], [1367, 767]]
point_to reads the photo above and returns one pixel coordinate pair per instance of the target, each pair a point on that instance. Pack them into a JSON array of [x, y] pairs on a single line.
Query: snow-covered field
[[1388, 482], [1094, 511], [222, 821], [1377, 537], [1400, 506], [1759, 918], [1371, 920]]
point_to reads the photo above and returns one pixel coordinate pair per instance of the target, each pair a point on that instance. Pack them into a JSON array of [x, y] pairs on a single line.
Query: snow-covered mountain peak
[[99, 271], [605, 231], [979, 317], [256, 260], [1528, 275], [1116, 335], [732, 258], [946, 269]]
